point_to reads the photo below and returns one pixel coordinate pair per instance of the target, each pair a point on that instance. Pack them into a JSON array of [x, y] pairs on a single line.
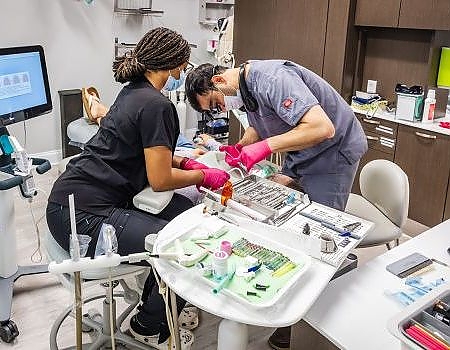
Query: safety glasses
[[413, 90], [211, 114], [188, 68]]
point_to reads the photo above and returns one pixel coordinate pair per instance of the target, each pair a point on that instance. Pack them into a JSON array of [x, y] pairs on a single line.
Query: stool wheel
[[8, 331], [93, 315]]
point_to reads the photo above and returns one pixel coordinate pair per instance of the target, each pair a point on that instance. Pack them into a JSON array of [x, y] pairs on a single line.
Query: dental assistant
[[290, 109], [133, 148]]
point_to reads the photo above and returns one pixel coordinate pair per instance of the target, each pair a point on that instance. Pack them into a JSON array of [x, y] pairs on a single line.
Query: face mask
[[233, 102], [172, 84]]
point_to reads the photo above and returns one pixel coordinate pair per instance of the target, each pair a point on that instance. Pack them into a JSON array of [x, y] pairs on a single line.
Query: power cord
[[36, 257]]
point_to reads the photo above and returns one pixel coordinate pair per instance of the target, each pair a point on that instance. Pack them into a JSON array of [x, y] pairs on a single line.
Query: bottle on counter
[[429, 107], [181, 111]]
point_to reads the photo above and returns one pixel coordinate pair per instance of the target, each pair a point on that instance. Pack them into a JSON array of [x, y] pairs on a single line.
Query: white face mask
[[233, 102]]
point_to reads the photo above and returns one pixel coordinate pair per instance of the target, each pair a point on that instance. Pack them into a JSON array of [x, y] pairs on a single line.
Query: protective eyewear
[[188, 68], [211, 114], [413, 90]]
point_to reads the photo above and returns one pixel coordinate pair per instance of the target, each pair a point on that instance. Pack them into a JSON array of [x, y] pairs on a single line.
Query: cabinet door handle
[[372, 138], [426, 136], [376, 122]]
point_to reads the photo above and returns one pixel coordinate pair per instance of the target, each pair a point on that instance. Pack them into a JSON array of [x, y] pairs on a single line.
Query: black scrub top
[[111, 169]]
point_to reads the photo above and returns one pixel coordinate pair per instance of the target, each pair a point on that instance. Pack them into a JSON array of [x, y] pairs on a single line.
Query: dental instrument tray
[[425, 323], [276, 201], [257, 272]]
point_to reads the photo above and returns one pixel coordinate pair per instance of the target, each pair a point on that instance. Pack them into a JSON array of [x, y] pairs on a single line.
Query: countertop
[[353, 311], [434, 127]]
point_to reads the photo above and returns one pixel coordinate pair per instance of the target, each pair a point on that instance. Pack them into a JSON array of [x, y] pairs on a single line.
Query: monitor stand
[[9, 270]]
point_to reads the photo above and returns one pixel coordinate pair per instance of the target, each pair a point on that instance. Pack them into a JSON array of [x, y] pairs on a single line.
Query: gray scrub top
[[285, 91]]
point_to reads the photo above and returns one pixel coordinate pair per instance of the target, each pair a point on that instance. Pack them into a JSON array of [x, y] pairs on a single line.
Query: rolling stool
[[101, 327]]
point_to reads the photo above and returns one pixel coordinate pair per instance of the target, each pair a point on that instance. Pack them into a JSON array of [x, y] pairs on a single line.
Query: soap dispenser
[[429, 106]]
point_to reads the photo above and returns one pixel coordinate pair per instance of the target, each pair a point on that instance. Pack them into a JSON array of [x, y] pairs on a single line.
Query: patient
[[134, 147], [95, 111]]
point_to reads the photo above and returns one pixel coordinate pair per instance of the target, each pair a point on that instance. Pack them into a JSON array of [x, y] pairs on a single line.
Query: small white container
[[220, 264], [408, 107]]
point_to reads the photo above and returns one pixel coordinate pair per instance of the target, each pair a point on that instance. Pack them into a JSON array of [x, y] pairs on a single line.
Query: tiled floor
[[39, 299]]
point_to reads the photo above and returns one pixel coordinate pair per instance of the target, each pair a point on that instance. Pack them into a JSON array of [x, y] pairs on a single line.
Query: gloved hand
[[190, 164], [254, 153], [214, 178], [232, 153]]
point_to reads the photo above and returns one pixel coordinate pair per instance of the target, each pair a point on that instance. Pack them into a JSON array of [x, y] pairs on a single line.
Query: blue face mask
[[172, 84]]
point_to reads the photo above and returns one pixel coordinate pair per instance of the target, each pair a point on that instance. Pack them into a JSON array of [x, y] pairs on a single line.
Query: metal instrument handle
[[426, 136]]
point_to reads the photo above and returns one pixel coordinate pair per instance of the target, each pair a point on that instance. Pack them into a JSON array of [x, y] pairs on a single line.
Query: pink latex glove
[[214, 178], [190, 164], [254, 153], [232, 153]]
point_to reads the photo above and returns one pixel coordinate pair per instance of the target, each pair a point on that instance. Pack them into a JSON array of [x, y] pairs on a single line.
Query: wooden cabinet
[[425, 157], [429, 14], [341, 44], [314, 34], [414, 14], [379, 13], [447, 205], [254, 33], [381, 139], [299, 32]]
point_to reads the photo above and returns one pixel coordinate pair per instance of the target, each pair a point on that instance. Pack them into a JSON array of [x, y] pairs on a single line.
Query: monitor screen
[[23, 84]]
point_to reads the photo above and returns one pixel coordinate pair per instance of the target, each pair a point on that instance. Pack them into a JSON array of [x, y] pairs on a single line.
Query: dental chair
[[384, 200]]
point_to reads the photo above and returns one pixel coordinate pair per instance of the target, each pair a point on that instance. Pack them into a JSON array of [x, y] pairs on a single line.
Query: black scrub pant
[[132, 226]]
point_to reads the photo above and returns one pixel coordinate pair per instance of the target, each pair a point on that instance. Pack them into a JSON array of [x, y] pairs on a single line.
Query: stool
[[101, 326]]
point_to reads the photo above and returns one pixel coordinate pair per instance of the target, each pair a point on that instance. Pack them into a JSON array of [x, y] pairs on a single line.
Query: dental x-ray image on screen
[[23, 83]]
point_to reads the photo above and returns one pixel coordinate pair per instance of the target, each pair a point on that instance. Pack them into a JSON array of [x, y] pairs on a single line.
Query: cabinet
[[380, 13], [299, 35], [425, 157], [420, 14], [254, 33], [414, 14], [299, 30], [381, 139]]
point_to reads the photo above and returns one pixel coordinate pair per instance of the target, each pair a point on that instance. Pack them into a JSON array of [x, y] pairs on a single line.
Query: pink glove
[[232, 153], [254, 153], [214, 178], [190, 164]]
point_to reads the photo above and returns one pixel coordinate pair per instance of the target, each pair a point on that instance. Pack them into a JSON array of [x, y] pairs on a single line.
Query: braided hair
[[159, 49]]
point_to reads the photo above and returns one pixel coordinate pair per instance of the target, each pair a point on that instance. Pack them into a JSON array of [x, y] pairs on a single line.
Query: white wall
[[78, 40]]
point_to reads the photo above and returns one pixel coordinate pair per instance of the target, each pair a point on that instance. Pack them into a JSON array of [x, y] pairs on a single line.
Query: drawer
[[381, 143], [378, 126]]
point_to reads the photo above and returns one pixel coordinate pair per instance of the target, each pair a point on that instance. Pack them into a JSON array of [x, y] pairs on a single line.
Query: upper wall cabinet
[[379, 13], [414, 14], [299, 35], [254, 32], [429, 14]]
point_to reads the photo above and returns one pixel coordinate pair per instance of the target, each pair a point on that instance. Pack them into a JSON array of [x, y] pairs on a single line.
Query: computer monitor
[[24, 88]]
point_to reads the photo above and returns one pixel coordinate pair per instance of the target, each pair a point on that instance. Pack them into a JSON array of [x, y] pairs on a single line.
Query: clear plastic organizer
[[421, 314], [238, 286]]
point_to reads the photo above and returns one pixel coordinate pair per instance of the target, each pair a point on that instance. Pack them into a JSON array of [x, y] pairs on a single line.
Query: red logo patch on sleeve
[[287, 103]]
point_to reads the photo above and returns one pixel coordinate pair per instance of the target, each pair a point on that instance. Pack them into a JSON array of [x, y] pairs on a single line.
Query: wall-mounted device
[[211, 10]]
